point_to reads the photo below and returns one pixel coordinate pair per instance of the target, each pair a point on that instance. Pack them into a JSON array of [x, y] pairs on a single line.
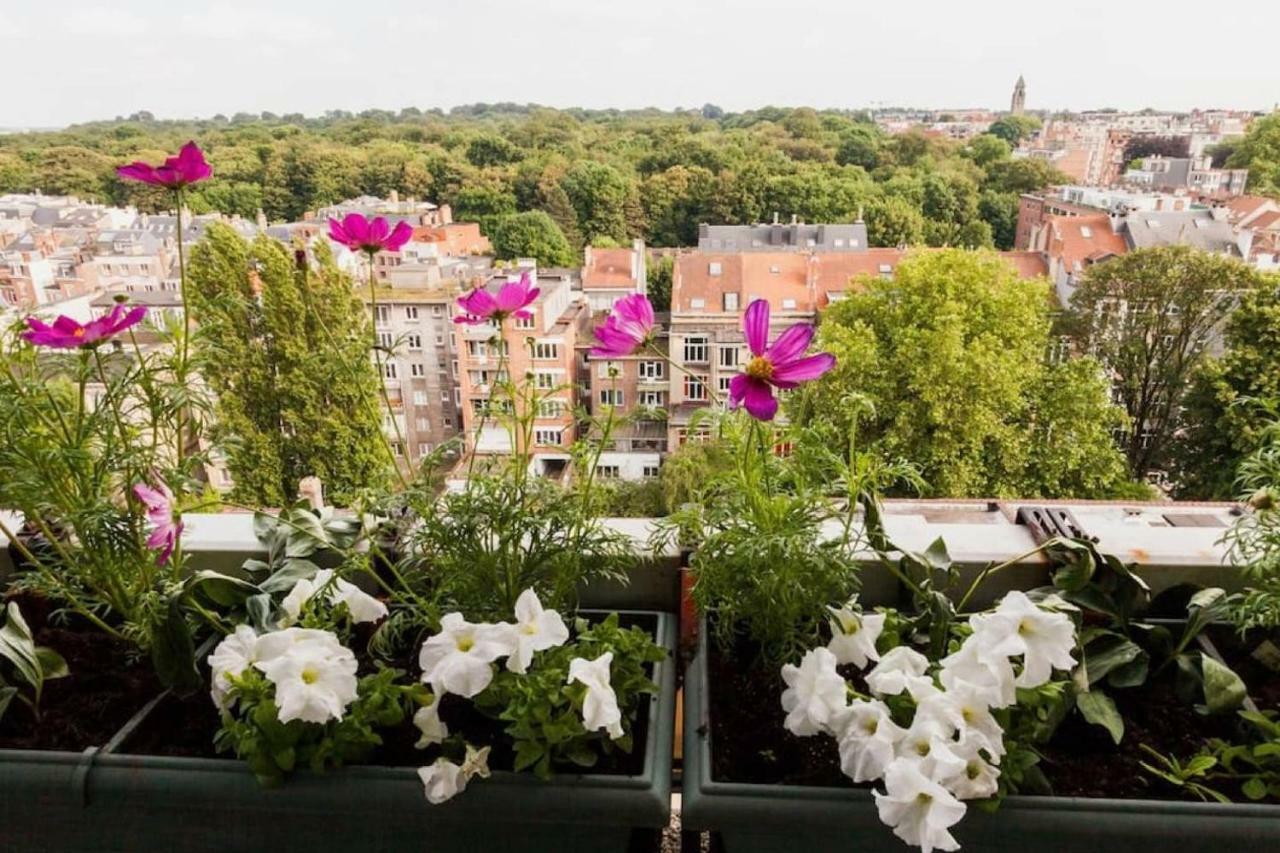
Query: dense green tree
[[16, 174], [1259, 152], [225, 197], [894, 222], [491, 150], [484, 204], [532, 234], [987, 149], [1000, 211], [659, 282], [1013, 129], [286, 352], [598, 193], [1151, 317], [951, 357], [1230, 401], [1023, 175]]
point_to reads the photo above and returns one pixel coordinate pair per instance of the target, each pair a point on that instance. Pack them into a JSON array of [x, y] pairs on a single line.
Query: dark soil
[[186, 727], [1083, 761], [1244, 656], [750, 744], [108, 684], [749, 741]]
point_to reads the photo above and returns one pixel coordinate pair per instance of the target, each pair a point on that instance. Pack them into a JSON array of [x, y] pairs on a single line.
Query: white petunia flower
[[990, 676], [964, 711], [360, 605], [600, 705], [854, 635], [816, 694], [232, 657], [443, 780], [313, 684], [918, 808], [433, 729], [977, 780], [902, 668], [458, 659], [930, 745], [536, 630], [868, 738], [1018, 627], [289, 640]]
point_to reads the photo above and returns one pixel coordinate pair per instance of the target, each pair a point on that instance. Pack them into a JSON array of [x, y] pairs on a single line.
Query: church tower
[[1019, 97]]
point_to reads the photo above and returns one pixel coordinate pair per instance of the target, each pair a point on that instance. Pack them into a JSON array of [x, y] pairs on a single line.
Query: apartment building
[[612, 273], [795, 236], [541, 348], [420, 366], [637, 389], [1195, 174]]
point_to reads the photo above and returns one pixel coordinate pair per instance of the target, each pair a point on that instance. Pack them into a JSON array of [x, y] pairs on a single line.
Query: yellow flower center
[[760, 368], [79, 333], [924, 799], [870, 726], [972, 770], [310, 676], [922, 747], [1025, 627], [465, 644], [529, 628]]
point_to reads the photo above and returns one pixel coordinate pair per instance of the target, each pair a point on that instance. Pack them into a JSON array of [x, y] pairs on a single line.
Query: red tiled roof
[[1076, 239], [1266, 222], [1245, 206], [609, 268]]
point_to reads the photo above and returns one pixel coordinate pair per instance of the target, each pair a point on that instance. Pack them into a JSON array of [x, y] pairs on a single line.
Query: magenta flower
[[364, 235], [165, 529], [481, 306], [782, 365], [66, 333], [627, 329], [189, 167]]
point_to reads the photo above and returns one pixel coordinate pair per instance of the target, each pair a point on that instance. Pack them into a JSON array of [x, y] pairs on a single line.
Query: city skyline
[[667, 55]]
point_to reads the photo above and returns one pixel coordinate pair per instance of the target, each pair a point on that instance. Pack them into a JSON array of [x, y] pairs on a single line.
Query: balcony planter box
[[755, 817], [108, 800]]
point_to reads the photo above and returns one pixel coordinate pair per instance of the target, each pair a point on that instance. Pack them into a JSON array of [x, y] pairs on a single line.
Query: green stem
[[181, 377], [992, 569], [382, 378]]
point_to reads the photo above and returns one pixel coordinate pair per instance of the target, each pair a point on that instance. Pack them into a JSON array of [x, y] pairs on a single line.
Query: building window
[[411, 312], [547, 437], [650, 369], [437, 310], [788, 305], [731, 302], [424, 449], [439, 340], [651, 399], [453, 368], [611, 396], [397, 448], [608, 472], [697, 304], [544, 380], [551, 409], [417, 369], [695, 350], [384, 315], [886, 271], [729, 357], [526, 322], [713, 268], [423, 424], [546, 351], [650, 472], [389, 370], [384, 340], [447, 422], [606, 369], [694, 389], [415, 341], [444, 396], [722, 384], [419, 398]]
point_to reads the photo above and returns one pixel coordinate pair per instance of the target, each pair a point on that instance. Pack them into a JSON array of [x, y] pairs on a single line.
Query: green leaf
[[6, 696], [1254, 789], [18, 646], [173, 653], [222, 590], [1223, 689], [1099, 709], [52, 664], [292, 571], [1076, 559], [936, 555], [1107, 651]]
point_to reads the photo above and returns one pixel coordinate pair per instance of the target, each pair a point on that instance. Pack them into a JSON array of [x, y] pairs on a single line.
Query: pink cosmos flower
[[66, 333], [189, 167], [165, 529], [627, 329], [372, 236], [782, 365], [481, 306]]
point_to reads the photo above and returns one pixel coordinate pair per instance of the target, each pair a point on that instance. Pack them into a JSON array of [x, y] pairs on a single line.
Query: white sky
[[76, 60]]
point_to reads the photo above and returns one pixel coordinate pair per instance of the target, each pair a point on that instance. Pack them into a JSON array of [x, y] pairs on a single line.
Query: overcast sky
[[75, 60]]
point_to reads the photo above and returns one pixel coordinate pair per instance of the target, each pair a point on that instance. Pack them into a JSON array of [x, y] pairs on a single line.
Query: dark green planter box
[[752, 818], [105, 802]]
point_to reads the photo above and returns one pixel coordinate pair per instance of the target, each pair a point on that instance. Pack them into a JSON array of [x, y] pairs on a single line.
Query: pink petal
[[802, 370], [514, 295], [759, 401], [337, 233], [138, 171], [790, 345], [755, 323], [399, 236], [357, 228], [378, 231], [479, 303], [737, 389]]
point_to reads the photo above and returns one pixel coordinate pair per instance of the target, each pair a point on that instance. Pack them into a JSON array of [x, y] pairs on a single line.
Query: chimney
[[775, 217], [446, 214], [393, 197], [262, 219], [794, 219]]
